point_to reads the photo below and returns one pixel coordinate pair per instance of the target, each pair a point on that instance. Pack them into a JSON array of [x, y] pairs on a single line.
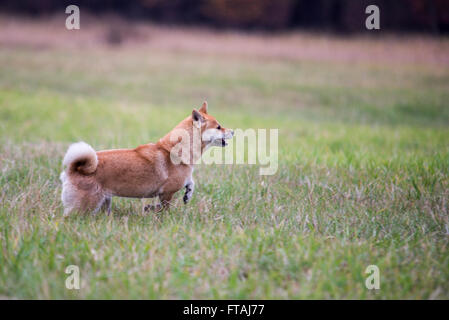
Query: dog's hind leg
[[106, 206], [165, 200], [69, 196], [67, 212]]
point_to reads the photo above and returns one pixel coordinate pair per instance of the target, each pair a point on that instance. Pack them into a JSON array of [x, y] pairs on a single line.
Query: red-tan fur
[[144, 172]]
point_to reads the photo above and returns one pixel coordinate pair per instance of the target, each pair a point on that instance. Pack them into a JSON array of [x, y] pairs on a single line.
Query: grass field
[[363, 174]]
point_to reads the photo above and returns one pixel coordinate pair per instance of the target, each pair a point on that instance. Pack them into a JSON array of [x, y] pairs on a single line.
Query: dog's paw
[[186, 198]]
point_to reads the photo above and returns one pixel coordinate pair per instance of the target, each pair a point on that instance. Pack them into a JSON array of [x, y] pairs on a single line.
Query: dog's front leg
[[190, 187], [106, 206]]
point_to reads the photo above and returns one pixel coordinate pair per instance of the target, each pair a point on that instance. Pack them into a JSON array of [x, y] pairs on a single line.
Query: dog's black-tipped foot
[[185, 199]]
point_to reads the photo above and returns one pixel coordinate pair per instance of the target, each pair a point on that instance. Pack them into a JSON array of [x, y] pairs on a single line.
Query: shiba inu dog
[[90, 179]]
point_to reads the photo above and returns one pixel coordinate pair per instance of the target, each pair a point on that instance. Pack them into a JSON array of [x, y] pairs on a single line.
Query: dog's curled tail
[[81, 158]]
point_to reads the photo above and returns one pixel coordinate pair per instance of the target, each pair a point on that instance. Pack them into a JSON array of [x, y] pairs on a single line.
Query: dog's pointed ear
[[203, 108], [197, 118]]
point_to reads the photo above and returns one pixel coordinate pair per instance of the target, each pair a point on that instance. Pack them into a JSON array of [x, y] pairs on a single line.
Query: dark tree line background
[[430, 16]]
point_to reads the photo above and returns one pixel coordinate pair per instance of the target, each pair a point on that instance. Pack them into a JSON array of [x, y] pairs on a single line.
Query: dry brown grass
[[112, 31]]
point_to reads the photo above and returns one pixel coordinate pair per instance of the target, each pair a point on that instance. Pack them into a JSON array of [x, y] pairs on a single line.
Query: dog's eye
[[219, 127]]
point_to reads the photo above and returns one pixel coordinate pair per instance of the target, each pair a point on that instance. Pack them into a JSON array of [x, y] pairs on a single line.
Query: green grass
[[363, 177]]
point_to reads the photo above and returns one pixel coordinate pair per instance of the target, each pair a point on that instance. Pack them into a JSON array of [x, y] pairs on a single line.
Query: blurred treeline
[[430, 16]]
